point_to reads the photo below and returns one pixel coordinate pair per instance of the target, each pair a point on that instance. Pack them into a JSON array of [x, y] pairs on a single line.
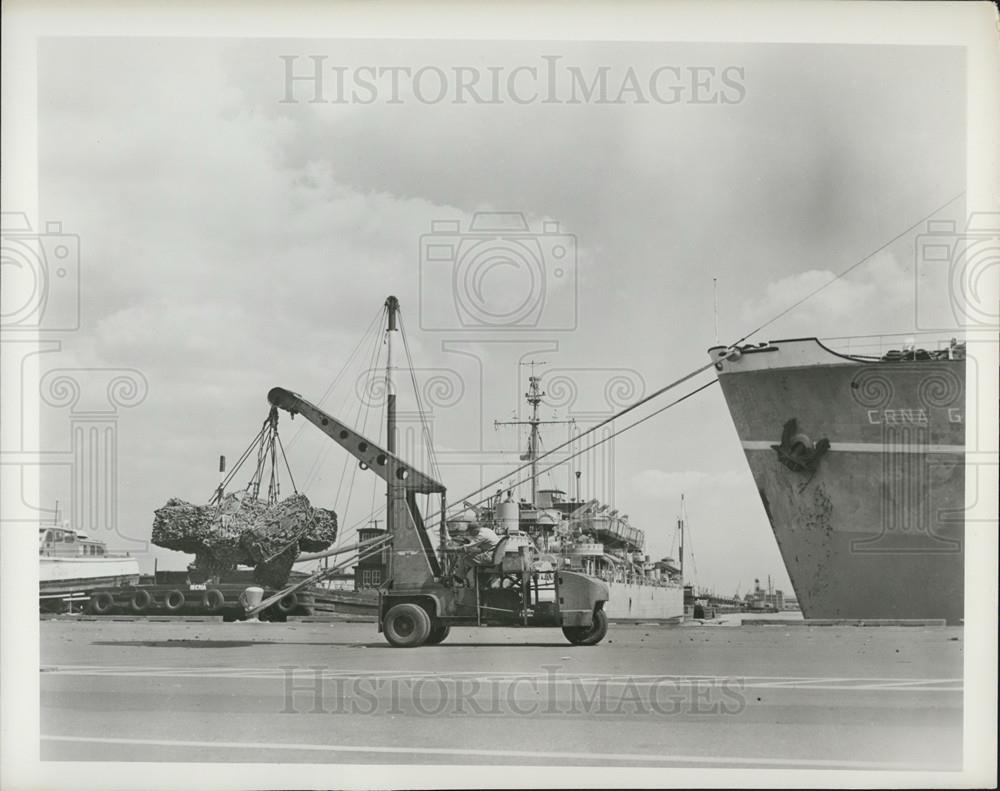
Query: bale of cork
[[241, 530]]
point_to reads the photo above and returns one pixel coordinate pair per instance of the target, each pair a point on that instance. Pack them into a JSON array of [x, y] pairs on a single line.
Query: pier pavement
[[773, 697]]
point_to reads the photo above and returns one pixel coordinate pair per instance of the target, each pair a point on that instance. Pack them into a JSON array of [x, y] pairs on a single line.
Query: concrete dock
[[649, 696]]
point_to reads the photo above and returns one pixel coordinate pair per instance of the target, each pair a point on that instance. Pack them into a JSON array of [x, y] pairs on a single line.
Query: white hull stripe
[[472, 753], [866, 447]]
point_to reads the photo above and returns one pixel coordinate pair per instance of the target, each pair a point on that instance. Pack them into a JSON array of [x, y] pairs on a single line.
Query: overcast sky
[[233, 240]]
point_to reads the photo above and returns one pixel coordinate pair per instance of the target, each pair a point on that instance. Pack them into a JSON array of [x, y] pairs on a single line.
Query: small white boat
[[71, 563]]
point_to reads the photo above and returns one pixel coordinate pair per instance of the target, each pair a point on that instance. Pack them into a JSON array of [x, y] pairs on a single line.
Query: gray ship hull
[[636, 601], [860, 470]]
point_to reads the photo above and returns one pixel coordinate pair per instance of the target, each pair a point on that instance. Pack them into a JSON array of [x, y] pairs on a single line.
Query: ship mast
[[534, 398], [393, 491], [680, 526], [391, 306]]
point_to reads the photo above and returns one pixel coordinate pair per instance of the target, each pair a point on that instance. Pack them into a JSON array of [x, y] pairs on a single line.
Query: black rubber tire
[[286, 605], [213, 600], [406, 625], [101, 603], [439, 633], [174, 600], [588, 635], [140, 601]]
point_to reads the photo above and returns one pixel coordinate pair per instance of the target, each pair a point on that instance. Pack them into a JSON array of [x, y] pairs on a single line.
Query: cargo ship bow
[[859, 463]]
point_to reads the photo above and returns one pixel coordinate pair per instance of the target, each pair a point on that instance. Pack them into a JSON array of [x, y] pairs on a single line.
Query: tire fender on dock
[[287, 604], [101, 603], [213, 600], [140, 601], [173, 600]]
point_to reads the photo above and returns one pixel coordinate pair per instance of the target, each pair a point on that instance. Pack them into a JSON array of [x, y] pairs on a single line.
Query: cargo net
[[241, 528]]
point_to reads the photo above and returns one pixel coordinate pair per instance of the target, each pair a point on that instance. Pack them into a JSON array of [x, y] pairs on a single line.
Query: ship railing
[[632, 536], [877, 346], [634, 578]]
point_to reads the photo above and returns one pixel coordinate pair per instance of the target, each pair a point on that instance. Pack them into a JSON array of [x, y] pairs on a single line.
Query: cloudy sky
[[238, 231]]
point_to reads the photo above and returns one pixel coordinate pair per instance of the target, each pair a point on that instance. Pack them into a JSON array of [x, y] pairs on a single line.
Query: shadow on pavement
[[347, 644]]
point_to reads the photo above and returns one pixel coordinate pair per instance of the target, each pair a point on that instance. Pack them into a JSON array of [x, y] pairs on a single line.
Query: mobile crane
[[421, 598]]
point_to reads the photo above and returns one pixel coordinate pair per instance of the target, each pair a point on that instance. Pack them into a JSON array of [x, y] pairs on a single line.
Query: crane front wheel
[[439, 633], [588, 635], [407, 625]]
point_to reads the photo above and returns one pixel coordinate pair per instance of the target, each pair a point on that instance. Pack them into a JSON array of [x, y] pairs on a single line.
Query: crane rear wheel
[[407, 625], [439, 633]]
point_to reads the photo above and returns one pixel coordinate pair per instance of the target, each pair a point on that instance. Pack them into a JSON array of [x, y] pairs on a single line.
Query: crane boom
[[386, 465], [412, 559]]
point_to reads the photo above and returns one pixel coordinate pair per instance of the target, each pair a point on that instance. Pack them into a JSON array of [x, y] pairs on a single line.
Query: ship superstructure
[[583, 535]]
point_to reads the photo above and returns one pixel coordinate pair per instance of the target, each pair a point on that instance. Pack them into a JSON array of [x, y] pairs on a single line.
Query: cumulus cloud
[[875, 298]]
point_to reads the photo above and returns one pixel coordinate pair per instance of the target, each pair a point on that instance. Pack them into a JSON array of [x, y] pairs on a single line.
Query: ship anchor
[[797, 452]]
